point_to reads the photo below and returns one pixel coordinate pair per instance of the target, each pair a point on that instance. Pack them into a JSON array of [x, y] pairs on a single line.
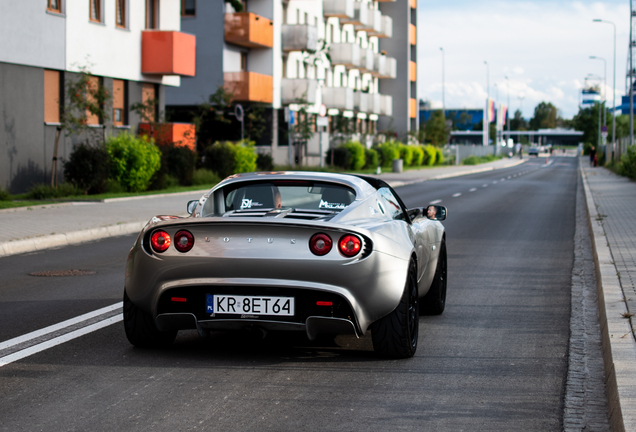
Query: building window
[[54, 6], [52, 96], [188, 8], [150, 102], [96, 10], [119, 102], [152, 14], [243, 61], [94, 83], [120, 14]]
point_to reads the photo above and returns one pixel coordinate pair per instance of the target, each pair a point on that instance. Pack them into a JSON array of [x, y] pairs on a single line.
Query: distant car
[[313, 252], [533, 151]]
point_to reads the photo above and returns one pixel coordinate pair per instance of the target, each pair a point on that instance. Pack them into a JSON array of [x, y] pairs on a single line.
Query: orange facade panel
[[51, 96], [250, 86], [179, 134], [168, 53], [412, 34], [249, 30], [413, 4], [413, 71], [413, 108]]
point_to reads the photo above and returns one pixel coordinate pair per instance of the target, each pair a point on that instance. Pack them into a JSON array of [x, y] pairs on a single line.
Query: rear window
[[260, 198]]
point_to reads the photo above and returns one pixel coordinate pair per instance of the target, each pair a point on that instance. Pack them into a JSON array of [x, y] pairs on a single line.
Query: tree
[[586, 121], [436, 130], [518, 123], [545, 116]]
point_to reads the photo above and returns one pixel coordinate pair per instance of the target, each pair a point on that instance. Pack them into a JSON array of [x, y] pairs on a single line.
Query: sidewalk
[[43, 227], [611, 205]]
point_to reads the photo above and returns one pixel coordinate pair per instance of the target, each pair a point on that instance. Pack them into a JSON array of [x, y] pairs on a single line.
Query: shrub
[[205, 177], [418, 155], [341, 157], [373, 159], [88, 168], [133, 160], [265, 162], [440, 156], [388, 151], [357, 157], [113, 186], [4, 195], [430, 155], [406, 154], [43, 191], [628, 163], [227, 158], [179, 162], [470, 160]]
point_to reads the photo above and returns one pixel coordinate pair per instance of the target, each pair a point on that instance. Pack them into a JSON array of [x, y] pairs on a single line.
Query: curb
[[619, 346], [70, 238]]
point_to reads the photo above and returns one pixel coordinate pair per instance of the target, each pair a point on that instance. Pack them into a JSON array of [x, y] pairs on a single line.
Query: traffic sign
[[604, 131]]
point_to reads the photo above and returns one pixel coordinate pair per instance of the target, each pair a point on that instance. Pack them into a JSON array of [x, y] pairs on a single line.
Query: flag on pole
[[491, 110]]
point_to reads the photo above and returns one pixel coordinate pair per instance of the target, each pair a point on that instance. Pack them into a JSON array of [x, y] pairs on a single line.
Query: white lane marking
[[456, 195], [509, 177], [494, 182], [484, 185], [19, 355], [435, 202], [472, 190], [36, 334], [503, 179]]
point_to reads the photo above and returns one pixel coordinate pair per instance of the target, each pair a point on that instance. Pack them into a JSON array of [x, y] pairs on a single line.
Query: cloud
[[543, 47]]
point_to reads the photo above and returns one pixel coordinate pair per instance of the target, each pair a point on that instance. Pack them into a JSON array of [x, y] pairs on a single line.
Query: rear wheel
[[434, 301], [141, 330], [396, 334]]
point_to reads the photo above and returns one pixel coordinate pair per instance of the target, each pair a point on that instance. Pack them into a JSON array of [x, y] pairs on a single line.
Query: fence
[[620, 148], [461, 152]]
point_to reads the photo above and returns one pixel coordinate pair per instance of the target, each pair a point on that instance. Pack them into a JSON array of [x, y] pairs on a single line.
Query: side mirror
[[434, 212], [192, 205]]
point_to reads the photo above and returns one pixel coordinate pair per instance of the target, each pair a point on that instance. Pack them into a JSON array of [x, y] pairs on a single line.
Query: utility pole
[[509, 108], [443, 83], [613, 90], [631, 72]]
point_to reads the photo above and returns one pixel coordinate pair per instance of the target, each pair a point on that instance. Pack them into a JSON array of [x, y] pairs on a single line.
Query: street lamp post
[[613, 89], [604, 86], [508, 113], [443, 83], [487, 79], [486, 120]]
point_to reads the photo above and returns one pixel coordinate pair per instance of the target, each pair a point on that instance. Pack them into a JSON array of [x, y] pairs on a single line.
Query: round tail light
[[160, 241], [349, 245], [183, 241], [320, 244]]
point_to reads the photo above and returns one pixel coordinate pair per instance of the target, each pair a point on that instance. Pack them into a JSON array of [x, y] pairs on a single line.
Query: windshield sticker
[[331, 206], [246, 204]]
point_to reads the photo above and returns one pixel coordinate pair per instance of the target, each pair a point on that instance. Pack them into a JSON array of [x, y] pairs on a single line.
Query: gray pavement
[[611, 205], [42, 227]]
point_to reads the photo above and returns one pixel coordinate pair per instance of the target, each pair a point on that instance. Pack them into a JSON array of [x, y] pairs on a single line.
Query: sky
[[542, 46]]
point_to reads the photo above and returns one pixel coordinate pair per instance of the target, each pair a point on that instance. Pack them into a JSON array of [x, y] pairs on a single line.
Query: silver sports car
[[298, 251]]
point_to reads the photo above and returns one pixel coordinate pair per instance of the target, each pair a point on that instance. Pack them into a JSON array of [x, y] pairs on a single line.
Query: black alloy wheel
[[434, 302]]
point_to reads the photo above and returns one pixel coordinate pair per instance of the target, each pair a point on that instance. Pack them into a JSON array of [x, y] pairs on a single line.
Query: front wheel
[[396, 334], [141, 330], [434, 301]]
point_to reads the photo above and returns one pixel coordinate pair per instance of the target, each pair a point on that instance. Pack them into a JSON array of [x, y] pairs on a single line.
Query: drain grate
[[55, 273]]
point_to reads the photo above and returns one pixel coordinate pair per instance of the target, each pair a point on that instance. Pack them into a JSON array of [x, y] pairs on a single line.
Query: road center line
[[456, 195], [472, 190], [435, 202], [19, 355], [51, 329]]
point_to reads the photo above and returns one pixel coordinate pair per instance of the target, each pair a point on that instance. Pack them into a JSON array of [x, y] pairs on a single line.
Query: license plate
[[249, 305]]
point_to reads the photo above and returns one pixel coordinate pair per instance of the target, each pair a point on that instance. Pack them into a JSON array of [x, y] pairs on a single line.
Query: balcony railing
[[366, 60], [299, 37], [250, 86], [362, 102], [338, 8], [362, 19], [338, 97], [249, 30], [168, 53], [179, 134], [384, 29], [375, 22], [384, 67], [376, 104], [346, 54], [386, 105], [297, 90]]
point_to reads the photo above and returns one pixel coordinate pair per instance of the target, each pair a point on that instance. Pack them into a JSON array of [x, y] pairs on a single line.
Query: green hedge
[[88, 168], [373, 159], [388, 151], [133, 160], [227, 158], [628, 163], [358, 158]]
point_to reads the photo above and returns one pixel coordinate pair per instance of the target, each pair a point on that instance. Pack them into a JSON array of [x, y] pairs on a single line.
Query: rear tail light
[[324, 303], [160, 241], [179, 299], [320, 244], [183, 241], [349, 245]]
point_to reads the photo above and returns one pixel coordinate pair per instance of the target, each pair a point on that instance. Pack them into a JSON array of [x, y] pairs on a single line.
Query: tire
[[396, 334], [141, 330], [434, 301]]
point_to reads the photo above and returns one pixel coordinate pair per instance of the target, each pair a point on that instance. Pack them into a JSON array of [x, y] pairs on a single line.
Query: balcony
[[299, 37], [361, 17], [384, 67], [294, 89], [168, 53], [342, 9], [249, 30], [362, 102], [384, 29], [375, 22], [375, 106], [179, 134], [250, 86], [366, 60], [386, 105], [346, 54], [338, 97]]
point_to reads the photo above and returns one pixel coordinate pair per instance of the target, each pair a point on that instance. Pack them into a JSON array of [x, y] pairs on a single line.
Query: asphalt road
[[495, 360]]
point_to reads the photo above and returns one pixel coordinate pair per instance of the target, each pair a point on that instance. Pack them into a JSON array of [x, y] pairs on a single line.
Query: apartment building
[[333, 54], [134, 48]]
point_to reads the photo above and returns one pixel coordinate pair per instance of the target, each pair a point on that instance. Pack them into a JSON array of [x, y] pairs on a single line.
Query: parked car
[[312, 252], [533, 151]]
